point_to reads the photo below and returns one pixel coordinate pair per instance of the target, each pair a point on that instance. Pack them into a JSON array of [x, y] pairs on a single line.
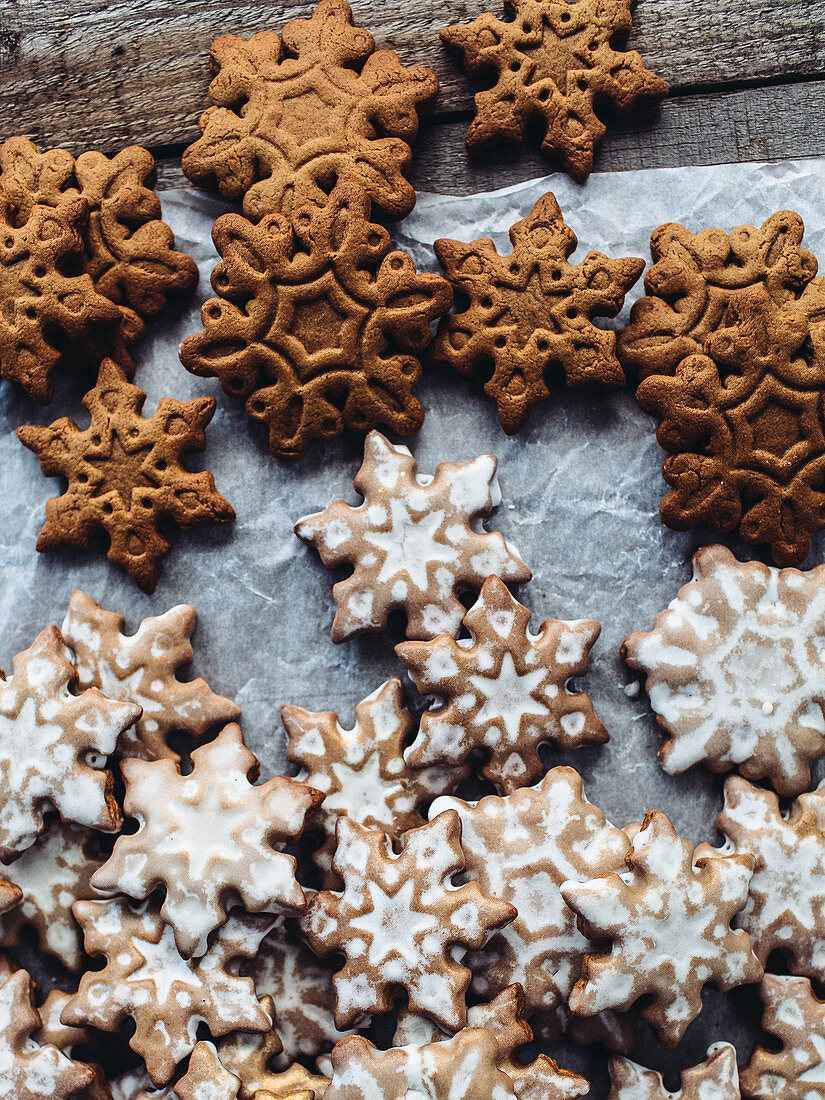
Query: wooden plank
[[767, 123], [107, 72]]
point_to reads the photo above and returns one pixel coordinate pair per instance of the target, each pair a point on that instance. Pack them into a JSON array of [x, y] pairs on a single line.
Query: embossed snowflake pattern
[[504, 690], [53, 746], [734, 670], [399, 921], [362, 772], [244, 822], [532, 310], [554, 62], [141, 668], [53, 874], [413, 544], [167, 996], [521, 849], [668, 919], [315, 106], [796, 1017], [717, 1078]]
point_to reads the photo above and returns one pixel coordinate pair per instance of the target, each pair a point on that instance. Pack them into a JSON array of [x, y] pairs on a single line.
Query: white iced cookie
[[717, 1078], [796, 1017]]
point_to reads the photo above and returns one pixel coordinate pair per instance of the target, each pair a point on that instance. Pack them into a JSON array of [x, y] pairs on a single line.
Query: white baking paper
[[581, 487]]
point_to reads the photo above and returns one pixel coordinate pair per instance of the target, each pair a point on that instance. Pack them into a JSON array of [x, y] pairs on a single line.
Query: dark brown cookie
[[295, 114], [531, 311], [48, 316], [317, 324], [553, 62], [127, 248], [125, 474]]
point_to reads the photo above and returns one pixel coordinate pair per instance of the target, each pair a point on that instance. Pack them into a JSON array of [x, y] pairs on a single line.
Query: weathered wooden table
[[747, 80]]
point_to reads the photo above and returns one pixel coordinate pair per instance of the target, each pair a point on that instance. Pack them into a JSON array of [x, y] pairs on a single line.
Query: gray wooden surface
[[747, 79]]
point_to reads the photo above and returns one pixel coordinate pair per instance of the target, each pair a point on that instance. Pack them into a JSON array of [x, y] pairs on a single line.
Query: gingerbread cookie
[[53, 746], [414, 543], [206, 1078], [532, 310], [28, 1069], [128, 251], [126, 474], [207, 834], [521, 849], [49, 317], [796, 1017], [295, 114], [362, 772], [554, 62], [503, 691], [695, 277], [400, 920], [317, 323], [53, 874], [717, 1078], [668, 920], [53, 1031], [142, 668], [10, 895], [734, 671]]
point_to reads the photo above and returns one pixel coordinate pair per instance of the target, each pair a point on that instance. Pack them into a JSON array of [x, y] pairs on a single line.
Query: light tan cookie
[[521, 849], [53, 874], [53, 746], [414, 543], [796, 1017], [504, 690], [400, 921], [206, 836], [167, 996], [717, 1078], [667, 917], [142, 668], [362, 772], [735, 672], [29, 1070], [206, 1078], [53, 1031]]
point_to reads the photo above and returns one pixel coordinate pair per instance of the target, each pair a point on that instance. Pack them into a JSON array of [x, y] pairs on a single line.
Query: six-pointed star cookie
[[317, 323], [521, 849], [142, 668], [717, 1078], [668, 919], [735, 670], [294, 114], [126, 474], [554, 61], [796, 1017], [532, 311], [400, 921], [414, 543], [503, 691]]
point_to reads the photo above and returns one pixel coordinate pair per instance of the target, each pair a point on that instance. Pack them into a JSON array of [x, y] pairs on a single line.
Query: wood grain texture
[[105, 73]]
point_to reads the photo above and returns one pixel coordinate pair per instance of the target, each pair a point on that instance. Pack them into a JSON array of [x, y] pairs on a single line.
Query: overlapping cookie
[[795, 1016], [717, 1078]]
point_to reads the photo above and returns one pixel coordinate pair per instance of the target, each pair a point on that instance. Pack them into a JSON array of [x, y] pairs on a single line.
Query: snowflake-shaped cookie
[[53, 746], [53, 874], [521, 849], [735, 670], [167, 996], [668, 918], [206, 835], [554, 62], [796, 1017], [532, 310], [319, 105], [717, 1078], [362, 772], [400, 920], [142, 667], [29, 1070], [206, 1078], [126, 474], [504, 690], [414, 542], [317, 323], [53, 1031]]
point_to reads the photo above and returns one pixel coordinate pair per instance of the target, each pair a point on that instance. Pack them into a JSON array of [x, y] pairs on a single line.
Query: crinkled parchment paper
[[581, 486]]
